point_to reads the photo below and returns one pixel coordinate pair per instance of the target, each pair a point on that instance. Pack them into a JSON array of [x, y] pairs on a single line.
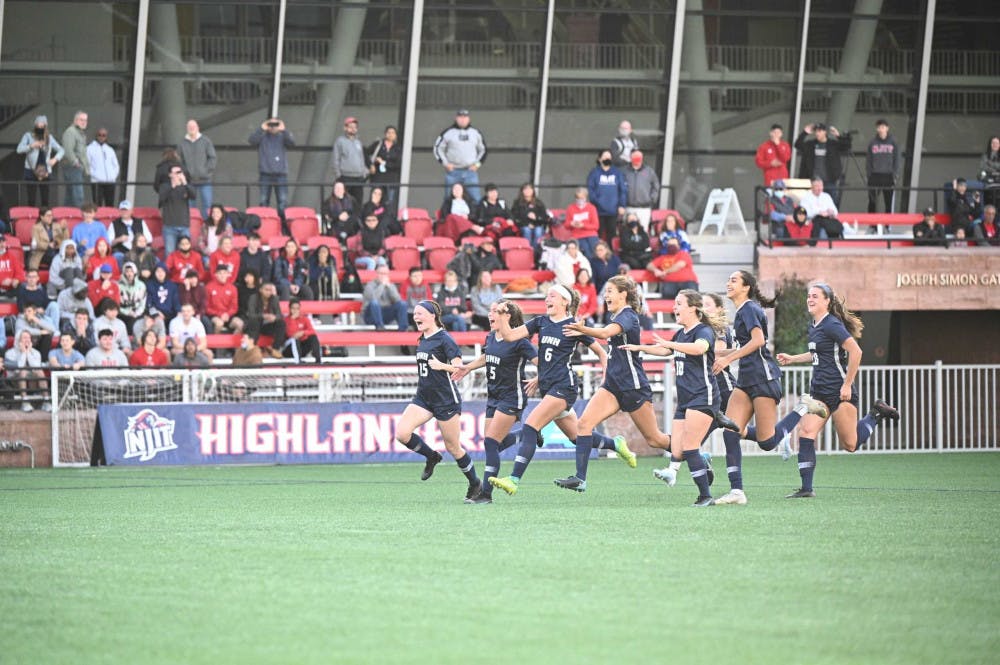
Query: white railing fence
[[943, 407]]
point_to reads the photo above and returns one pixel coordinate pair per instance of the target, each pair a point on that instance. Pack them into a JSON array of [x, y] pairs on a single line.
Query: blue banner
[[282, 433]]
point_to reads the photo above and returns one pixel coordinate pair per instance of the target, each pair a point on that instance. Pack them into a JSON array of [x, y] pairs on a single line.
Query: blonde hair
[[716, 321]]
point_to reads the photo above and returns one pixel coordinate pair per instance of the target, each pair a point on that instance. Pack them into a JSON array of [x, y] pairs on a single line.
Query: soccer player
[[437, 397], [556, 379], [758, 387], [835, 357]]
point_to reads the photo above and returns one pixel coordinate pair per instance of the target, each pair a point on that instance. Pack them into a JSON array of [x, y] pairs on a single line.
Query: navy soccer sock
[[784, 426], [734, 459], [584, 443], [602, 442], [529, 442], [492, 466], [807, 461], [468, 467], [508, 441], [699, 472], [866, 426], [417, 445], [751, 434]]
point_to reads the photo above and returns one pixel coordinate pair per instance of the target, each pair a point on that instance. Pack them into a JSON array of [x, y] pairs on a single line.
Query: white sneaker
[[47, 407], [667, 475], [736, 497], [813, 405], [786, 447], [26, 407]]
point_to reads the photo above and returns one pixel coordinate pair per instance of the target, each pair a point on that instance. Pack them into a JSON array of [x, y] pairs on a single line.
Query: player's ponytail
[[516, 315], [754, 294], [574, 302]]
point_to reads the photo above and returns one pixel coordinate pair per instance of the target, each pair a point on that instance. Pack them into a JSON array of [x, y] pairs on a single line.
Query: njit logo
[[148, 434]]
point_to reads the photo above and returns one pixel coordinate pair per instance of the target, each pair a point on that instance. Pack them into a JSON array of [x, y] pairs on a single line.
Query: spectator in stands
[[386, 216], [46, 236], [183, 260], [174, 200], [570, 263], [928, 231], [254, 258], [291, 273], [348, 160], [11, 270], [31, 291], [199, 160], [608, 192], [191, 358], [491, 213], [143, 256], [149, 354], [782, 209], [454, 215], [583, 222], [104, 169], [635, 246], [106, 286], [989, 170], [87, 232], [81, 325], [822, 211], [822, 157], [272, 323], [986, 230], [227, 255], [106, 354], [108, 319], [323, 274], [38, 326], [215, 227], [675, 270], [169, 159], [461, 150], [643, 189], [672, 229], [222, 302], [75, 167], [161, 293], [384, 158], [272, 140], [452, 297], [882, 161], [247, 290], [773, 155], [192, 292], [66, 357], [484, 258], [414, 290], [341, 218], [588, 296], [188, 326], [530, 214], [483, 294], [302, 339], [799, 228], [100, 259], [133, 297], [151, 320], [624, 145], [66, 266], [605, 265], [382, 302], [249, 354], [965, 207], [372, 252], [24, 363], [71, 300], [41, 154], [123, 231]]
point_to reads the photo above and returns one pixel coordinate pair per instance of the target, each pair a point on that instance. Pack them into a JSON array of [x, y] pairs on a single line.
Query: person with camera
[[41, 154], [175, 195], [823, 150], [272, 140]]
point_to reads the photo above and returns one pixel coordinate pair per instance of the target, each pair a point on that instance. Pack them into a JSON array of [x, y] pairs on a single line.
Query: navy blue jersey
[[435, 386], [758, 367], [624, 367], [505, 364], [725, 378], [695, 382], [555, 352], [829, 359]]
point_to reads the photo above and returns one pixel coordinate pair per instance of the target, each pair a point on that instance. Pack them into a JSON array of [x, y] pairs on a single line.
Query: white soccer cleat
[[733, 497], [786, 447], [667, 475], [813, 405]]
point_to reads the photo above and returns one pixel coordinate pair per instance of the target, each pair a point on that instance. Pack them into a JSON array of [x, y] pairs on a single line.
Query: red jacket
[[588, 299], [178, 265], [766, 152], [801, 232], [95, 262], [588, 215], [300, 324], [685, 274], [221, 299], [232, 259], [96, 292], [158, 358], [11, 267]]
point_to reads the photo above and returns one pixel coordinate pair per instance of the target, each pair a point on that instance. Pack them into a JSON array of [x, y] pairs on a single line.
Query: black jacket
[[836, 150]]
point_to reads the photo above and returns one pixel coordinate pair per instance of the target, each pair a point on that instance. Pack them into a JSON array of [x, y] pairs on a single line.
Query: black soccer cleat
[[883, 411], [473, 491], [541, 442], [572, 483], [480, 498], [703, 501], [722, 421], [432, 462], [801, 494]]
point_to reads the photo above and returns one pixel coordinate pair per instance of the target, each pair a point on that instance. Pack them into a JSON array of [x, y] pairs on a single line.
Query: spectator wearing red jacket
[[184, 259], [226, 254], [11, 269], [104, 287], [302, 339], [800, 229], [675, 270], [588, 296], [583, 222], [773, 155], [222, 302], [101, 257], [149, 354]]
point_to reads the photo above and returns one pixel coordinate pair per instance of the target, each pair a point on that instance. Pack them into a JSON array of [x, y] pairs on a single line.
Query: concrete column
[[410, 105], [326, 122], [670, 115], [171, 104], [695, 100], [854, 61]]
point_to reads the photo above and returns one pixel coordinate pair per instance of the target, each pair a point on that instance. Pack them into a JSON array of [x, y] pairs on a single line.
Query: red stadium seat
[[439, 252], [511, 242], [154, 223], [277, 243], [67, 213], [304, 229], [404, 258], [107, 214], [519, 258], [297, 212], [561, 232], [144, 212], [263, 211], [474, 240], [22, 228], [24, 212], [406, 214], [418, 228], [239, 242], [269, 227]]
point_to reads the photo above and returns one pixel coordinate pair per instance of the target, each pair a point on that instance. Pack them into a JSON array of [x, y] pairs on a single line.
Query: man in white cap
[[123, 230]]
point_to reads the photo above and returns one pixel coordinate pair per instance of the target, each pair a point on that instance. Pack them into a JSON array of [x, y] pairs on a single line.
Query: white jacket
[[103, 162]]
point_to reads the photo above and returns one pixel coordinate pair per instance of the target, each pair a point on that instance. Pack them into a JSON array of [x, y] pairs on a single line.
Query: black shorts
[[441, 411], [566, 393], [833, 401], [770, 389], [630, 400], [699, 404], [503, 406]]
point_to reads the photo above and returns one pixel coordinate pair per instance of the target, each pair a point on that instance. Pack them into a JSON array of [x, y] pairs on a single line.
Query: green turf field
[[895, 561]]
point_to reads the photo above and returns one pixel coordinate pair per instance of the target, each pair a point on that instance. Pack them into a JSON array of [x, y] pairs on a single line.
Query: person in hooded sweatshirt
[[72, 298], [143, 256], [133, 295], [161, 293], [66, 266], [101, 257]]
